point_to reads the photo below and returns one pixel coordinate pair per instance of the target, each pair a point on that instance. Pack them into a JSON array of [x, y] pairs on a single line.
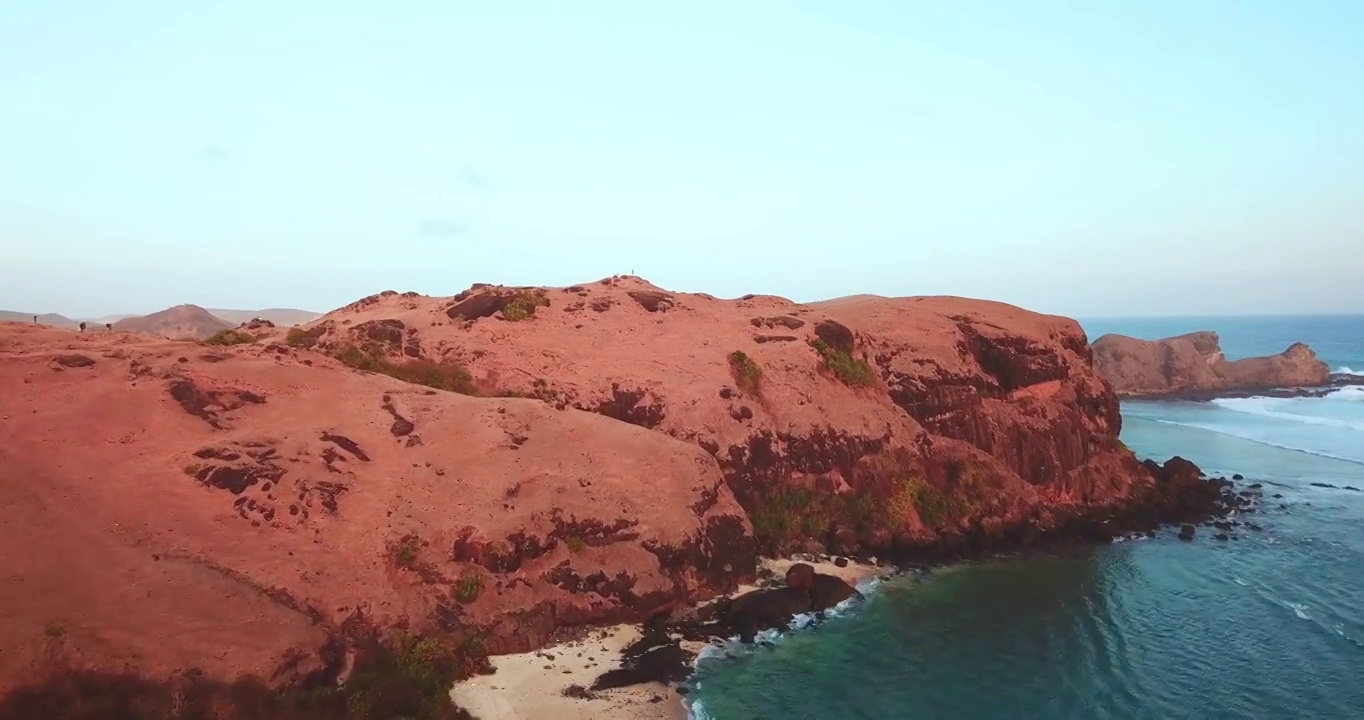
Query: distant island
[[1193, 366]]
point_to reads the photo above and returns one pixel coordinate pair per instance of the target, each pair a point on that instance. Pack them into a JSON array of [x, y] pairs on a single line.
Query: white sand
[[523, 689], [529, 686]]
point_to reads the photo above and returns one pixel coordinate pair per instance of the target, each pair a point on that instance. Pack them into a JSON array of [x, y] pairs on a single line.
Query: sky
[[1160, 157]]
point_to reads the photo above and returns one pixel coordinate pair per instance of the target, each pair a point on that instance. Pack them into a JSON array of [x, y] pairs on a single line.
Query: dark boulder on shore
[[659, 657], [751, 613]]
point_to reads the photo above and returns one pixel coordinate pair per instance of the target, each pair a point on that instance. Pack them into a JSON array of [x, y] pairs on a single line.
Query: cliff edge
[[1193, 365], [913, 427]]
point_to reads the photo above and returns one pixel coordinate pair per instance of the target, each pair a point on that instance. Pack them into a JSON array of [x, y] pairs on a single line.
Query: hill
[[278, 316], [179, 322], [43, 318], [437, 478]]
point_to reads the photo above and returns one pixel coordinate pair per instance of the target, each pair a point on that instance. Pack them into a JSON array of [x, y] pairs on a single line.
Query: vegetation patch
[[231, 337], [449, 375], [405, 551], [934, 507], [402, 677], [747, 375], [299, 338], [522, 305], [467, 589], [575, 544], [786, 517], [849, 370]]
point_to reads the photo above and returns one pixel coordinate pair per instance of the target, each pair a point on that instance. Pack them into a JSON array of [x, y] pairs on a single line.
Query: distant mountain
[[278, 316], [43, 318], [283, 317], [107, 318], [179, 322]]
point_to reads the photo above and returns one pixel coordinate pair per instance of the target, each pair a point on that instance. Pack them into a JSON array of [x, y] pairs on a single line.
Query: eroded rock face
[[889, 426], [265, 500], [1193, 365]]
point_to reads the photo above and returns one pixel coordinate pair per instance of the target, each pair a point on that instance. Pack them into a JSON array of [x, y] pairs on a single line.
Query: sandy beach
[[530, 686]]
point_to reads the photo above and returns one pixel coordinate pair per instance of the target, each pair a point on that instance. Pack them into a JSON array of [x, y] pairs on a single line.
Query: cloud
[[473, 177], [214, 153], [440, 228]]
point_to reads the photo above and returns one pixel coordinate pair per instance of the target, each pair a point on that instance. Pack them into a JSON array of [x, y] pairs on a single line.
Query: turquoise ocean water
[[1269, 625]]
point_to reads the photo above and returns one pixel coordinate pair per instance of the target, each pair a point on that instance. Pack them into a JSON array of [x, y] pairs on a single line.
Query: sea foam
[[732, 648]]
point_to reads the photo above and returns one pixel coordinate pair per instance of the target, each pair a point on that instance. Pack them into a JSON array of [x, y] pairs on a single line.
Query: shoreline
[[1338, 381], [532, 685]]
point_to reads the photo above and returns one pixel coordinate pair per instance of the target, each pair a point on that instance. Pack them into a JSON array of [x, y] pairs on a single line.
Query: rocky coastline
[[1183, 497], [625, 455], [1335, 381]]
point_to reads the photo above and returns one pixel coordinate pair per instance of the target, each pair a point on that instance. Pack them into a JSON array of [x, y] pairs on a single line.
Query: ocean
[[1268, 625]]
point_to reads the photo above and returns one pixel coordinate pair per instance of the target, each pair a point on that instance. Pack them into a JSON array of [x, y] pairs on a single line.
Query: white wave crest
[[1257, 440], [730, 648], [1342, 370], [1276, 408], [1350, 393]]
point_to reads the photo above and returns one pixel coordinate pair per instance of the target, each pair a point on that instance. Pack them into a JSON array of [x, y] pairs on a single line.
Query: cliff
[[1193, 365], [506, 464], [919, 426]]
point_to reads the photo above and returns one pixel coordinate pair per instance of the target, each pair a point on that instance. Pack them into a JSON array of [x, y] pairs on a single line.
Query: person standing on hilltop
[[82, 327], [109, 327], [35, 319]]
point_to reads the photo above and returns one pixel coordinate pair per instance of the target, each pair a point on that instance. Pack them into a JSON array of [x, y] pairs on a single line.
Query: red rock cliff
[[1194, 364], [864, 423], [262, 499]]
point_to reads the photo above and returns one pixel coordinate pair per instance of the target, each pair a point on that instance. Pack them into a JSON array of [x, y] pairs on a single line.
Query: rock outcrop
[[902, 427], [171, 505], [1193, 366]]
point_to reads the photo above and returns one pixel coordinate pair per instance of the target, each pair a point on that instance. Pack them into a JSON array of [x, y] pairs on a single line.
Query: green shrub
[[54, 631], [575, 544], [448, 375], [782, 516], [747, 375], [933, 506], [468, 589], [405, 551], [849, 370], [231, 337], [298, 337], [405, 676], [522, 306]]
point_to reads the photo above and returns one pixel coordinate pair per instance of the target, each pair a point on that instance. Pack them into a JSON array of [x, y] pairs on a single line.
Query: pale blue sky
[[1096, 158]]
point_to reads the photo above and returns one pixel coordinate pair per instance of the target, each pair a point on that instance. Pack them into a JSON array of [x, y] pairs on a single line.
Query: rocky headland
[[396, 490], [1194, 367]]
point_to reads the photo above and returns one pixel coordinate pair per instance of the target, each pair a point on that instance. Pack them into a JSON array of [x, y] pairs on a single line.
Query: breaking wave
[[731, 649]]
